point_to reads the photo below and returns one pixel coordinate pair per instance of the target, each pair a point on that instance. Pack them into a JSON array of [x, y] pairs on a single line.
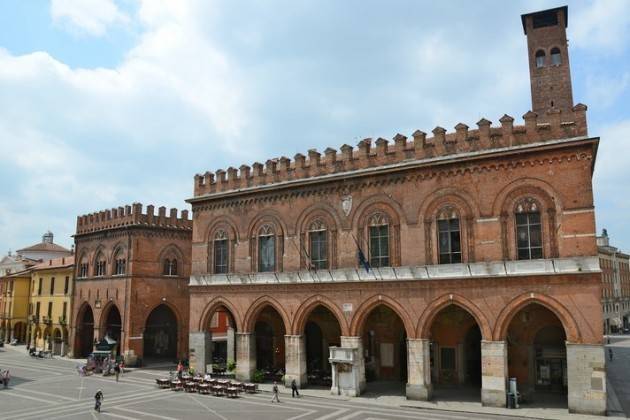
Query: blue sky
[[108, 102]]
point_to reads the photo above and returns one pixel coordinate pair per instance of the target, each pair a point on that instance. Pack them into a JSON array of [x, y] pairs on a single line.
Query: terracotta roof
[[55, 263], [45, 246]]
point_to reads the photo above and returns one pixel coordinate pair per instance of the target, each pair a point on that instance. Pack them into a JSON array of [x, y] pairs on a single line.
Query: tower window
[[540, 58], [556, 60]]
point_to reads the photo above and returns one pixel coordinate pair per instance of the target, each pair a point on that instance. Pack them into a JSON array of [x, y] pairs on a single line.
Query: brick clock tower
[[548, 52]]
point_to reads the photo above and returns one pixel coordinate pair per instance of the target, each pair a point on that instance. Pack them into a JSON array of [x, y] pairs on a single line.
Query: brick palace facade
[[480, 243]]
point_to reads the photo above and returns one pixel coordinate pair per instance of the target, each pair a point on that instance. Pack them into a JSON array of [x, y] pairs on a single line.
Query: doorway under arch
[[321, 331], [537, 355], [270, 353], [385, 352], [85, 333], [160, 335], [455, 355]]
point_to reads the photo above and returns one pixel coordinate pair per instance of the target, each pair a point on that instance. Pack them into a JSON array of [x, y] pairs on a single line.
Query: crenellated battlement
[[368, 153], [132, 215]]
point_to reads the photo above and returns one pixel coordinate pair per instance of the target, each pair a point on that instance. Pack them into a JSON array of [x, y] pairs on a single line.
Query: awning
[[616, 322]]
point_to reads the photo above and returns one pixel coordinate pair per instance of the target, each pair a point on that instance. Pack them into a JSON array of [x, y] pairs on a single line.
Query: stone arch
[[257, 306], [330, 219], [305, 309], [428, 315], [212, 306], [266, 216], [395, 209], [363, 311], [460, 198], [120, 246], [511, 309], [504, 205], [226, 223], [104, 317], [169, 305]]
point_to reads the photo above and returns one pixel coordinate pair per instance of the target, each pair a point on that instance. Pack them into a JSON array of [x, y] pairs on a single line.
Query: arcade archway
[[537, 355], [321, 331], [270, 352], [85, 333], [456, 354], [385, 351], [160, 335], [222, 330], [113, 324]]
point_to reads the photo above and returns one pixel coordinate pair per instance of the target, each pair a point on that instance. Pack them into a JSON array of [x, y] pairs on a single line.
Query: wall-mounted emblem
[[346, 204]]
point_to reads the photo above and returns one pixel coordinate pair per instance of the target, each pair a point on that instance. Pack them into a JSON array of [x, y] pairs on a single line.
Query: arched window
[[266, 248], [170, 267], [318, 244], [100, 265], [378, 231], [540, 58], [528, 230], [556, 59], [221, 252], [120, 263], [83, 267], [449, 236]]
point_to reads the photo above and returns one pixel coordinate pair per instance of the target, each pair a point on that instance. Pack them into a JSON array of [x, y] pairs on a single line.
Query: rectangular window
[[379, 246], [37, 306], [449, 242], [50, 310], [66, 285], [39, 287], [266, 253], [52, 286], [319, 249], [220, 256], [528, 236], [65, 311], [30, 309]]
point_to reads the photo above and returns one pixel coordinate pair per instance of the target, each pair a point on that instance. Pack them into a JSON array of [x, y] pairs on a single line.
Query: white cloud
[[602, 25], [92, 17]]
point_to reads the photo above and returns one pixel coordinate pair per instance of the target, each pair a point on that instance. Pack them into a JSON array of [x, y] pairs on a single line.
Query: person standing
[[98, 398], [117, 371], [180, 370], [6, 377], [610, 354], [274, 391], [294, 389]]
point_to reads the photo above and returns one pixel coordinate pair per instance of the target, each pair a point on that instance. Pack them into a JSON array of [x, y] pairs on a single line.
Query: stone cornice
[[496, 269]]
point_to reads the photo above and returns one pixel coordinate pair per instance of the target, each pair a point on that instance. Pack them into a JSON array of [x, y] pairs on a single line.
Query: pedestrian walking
[[294, 389], [98, 398], [6, 377], [117, 371], [180, 370], [610, 354], [274, 391]]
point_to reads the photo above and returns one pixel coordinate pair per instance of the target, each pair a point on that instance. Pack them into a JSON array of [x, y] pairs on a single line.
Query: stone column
[[295, 360], [586, 374], [199, 350], [231, 357], [419, 385], [357, 343], [245, 356], [494, 373]]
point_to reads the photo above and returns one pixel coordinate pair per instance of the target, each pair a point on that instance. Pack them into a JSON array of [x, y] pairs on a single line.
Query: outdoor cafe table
[[190, 386], [218, 390], [163, 383], [177, 385], [203, 388], [232, 392], [250, 388]]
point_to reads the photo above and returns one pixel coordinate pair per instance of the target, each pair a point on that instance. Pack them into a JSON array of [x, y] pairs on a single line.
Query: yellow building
[[50, 304], [14, 306]]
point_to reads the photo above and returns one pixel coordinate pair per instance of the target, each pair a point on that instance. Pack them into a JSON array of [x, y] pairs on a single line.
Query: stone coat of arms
[[346, 204]]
